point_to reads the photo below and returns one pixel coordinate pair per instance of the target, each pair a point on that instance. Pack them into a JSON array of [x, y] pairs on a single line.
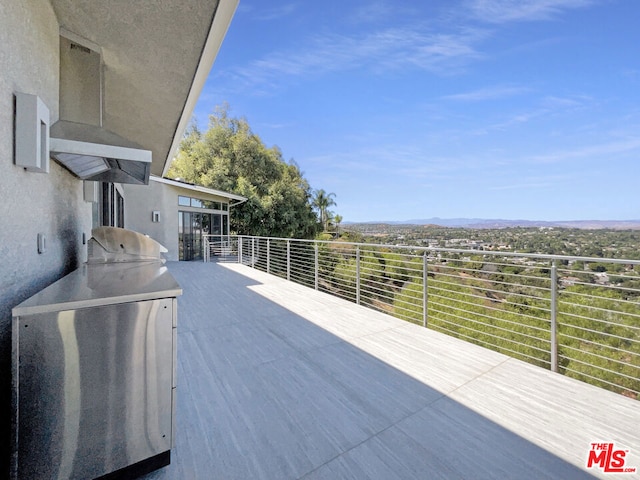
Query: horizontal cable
[[495, 346], [608, 359], [514, 332], [541, 320], [591, 365]]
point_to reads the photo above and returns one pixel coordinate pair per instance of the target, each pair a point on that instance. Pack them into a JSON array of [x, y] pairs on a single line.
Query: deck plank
[[279, 381]]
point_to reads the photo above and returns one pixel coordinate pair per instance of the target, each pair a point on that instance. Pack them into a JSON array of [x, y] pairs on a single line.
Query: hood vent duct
[[78, 141], [93, 153]]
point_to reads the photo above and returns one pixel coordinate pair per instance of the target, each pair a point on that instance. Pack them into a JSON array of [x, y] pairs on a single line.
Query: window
[[198, 203], [119, 220], [111, 208], [106, 215]]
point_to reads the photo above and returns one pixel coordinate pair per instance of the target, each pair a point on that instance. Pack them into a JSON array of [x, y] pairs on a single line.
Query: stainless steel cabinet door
[[93, 388]]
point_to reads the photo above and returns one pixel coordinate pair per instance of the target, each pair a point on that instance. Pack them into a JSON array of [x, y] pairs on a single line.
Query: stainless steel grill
[[94, 358]]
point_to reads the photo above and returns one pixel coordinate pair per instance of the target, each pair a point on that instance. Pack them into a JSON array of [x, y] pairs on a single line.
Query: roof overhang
[[156, 57], [197, 188]]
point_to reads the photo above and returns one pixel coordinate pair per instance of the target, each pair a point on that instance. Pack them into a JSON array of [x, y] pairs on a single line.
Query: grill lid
[[112, 244]]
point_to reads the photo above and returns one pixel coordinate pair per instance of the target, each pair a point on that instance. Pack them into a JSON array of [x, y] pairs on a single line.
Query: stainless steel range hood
[[79, 140], [93, 153]]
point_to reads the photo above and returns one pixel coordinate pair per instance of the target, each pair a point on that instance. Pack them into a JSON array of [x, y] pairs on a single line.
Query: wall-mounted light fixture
[[42, 243], [32, 133]]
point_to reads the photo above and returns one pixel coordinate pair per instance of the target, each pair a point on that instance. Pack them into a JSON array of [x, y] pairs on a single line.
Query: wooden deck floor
[[278, 381]]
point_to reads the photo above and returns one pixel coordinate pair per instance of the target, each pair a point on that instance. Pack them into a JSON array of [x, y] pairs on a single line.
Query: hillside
[[501, 223]]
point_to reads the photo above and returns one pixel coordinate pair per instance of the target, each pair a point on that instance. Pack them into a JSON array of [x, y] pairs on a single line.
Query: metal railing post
[[358, 275], [554, 313], [425, 293], [268, 255], [316, 269], [288, 259], [240, 250], [253, 252], [206, 248]]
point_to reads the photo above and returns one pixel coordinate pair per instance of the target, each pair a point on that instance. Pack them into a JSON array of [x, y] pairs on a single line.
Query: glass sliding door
[[216, 228], [201, 217], [180, 236], [191, 227], [196, 235], [185, 236]]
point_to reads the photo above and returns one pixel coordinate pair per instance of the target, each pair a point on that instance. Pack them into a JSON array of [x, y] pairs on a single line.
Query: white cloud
[[602, 150], [381, 51], [564, 103], [522, 186], [373, 12], [516, 119], [276, 126], [501, 11], [489, 93], [443, 52], [276, 13], [549, 106]]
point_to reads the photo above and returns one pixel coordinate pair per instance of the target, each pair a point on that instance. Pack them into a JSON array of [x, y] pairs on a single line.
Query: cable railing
[[558, 312], [222, 248]]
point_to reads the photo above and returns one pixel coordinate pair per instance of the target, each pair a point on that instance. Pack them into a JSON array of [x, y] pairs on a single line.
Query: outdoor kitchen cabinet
[[94, 373]]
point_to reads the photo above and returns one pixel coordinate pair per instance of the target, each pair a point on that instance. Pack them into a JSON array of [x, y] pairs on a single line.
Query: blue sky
[[514, 109]]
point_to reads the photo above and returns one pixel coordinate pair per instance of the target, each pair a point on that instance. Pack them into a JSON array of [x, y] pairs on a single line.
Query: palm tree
[[338, 220], [322, 201]]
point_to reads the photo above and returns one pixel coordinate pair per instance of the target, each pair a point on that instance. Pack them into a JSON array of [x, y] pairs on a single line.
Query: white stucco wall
[[141, 201], [31, 203]]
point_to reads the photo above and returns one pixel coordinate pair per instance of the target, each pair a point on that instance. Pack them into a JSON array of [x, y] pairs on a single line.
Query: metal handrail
[[456, 250], [224, 249], [533, 312]]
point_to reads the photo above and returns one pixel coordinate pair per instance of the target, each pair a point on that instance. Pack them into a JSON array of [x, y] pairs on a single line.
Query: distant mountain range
[[497, 223]]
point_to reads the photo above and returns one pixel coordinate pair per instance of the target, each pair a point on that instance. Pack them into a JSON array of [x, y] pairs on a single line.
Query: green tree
[[230, 157], [338, 220], [322, 201]]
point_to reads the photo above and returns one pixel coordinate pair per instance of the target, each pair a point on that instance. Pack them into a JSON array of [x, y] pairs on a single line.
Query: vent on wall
[[78, 140], [80, 83]]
